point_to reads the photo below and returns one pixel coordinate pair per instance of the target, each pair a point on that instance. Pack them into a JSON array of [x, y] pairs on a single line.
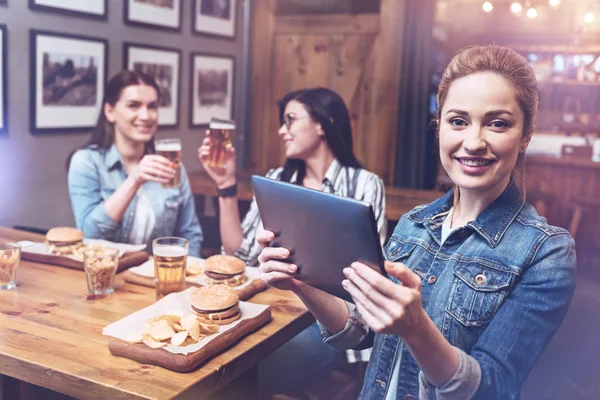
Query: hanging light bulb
[[516, 7], [532, 13], [589, 18], [554, 3], [487, 6]]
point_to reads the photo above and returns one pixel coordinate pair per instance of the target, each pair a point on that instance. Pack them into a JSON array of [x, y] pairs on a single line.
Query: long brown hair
[[510, 65], [103, 135]]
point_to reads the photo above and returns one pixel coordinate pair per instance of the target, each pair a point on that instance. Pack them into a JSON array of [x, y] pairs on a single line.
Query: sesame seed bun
[[217, 298], [223, 264], [64, 235]]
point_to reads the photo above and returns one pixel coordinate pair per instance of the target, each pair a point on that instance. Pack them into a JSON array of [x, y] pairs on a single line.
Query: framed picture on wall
[[212, 88], [214, 17], [3, 80], [164, 65], [68, 75], [97, 9], [161, 14]]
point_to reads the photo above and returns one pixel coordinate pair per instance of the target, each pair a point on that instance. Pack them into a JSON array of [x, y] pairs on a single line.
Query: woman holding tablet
[[478, 282], [317, 136]]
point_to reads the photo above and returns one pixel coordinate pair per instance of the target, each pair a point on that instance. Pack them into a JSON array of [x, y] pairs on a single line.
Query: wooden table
[[398, 200], [51, 336]]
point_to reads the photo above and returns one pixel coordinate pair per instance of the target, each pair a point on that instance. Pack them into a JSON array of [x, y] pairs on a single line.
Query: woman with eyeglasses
[[317, 136]]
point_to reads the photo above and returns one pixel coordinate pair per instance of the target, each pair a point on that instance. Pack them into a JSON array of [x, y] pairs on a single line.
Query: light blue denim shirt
[[95, 174], [497, 289]]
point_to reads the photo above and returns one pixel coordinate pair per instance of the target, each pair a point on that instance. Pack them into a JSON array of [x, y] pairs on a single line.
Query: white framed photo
[[68, 79], [3, 80], [97, 9], [164, 65], [162, 14], [214, 17], [212, 88]]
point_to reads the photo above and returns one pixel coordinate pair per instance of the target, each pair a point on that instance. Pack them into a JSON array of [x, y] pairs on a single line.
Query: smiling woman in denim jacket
[[115, 180], [478, 282]]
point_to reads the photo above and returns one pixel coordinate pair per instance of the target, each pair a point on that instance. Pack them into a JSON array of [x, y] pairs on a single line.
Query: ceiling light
[[532, 13], [554, 3], [589, 18], [516, 7], [487, 7]]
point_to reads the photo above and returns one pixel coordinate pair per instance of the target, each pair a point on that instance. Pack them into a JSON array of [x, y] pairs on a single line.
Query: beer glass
[[10, 255], [171, 149], [221, 133], [170, 260]]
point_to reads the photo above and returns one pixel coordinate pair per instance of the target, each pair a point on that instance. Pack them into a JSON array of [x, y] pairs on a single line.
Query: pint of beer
[[170, 260], [171, 149], [221, 135]]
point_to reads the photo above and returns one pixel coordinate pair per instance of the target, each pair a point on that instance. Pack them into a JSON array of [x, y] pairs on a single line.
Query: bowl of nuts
[[100, 265]]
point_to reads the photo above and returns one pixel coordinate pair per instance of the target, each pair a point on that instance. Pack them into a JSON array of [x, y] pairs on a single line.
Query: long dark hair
[[103, 135], [328, 109]]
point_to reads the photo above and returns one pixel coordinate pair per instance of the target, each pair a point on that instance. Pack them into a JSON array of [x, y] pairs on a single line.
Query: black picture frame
[[3, 80], [209, 30], [131, 21], [204, 120], [87, 114], [33, 5], [168, 116]]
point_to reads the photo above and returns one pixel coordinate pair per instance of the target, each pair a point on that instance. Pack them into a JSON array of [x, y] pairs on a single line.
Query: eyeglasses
[[288, 120]]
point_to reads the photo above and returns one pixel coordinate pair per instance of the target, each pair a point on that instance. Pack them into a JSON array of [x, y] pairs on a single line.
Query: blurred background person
[[115, 180], [317, 136]]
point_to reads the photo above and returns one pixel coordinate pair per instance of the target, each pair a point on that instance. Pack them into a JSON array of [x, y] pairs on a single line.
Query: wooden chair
[[581, 204]]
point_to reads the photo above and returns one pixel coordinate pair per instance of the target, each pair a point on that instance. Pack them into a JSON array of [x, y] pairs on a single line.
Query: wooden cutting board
[[186, 363], [127, 260], [255, 286]]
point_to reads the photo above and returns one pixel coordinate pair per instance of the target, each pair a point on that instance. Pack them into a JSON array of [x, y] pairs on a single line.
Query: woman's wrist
[[226, 184]]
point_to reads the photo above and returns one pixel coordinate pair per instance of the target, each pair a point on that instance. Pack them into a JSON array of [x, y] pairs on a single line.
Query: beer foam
[[168, 147], [222, 125], [169, 251]]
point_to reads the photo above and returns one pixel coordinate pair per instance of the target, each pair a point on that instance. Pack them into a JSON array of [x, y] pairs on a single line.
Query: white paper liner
[[41, 248], [175, 302], [147, 270]]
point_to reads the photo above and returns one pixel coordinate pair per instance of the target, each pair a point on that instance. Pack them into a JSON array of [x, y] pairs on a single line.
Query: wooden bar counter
[[51, 336]]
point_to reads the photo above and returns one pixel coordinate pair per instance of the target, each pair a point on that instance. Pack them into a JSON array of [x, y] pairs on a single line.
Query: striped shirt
[[344, 181]]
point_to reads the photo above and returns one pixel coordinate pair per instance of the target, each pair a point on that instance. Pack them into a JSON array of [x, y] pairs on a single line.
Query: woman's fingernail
[[292, 268], [346, 271]]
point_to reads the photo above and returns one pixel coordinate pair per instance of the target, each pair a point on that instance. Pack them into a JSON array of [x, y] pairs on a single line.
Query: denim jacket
[[95, 174], [497, 289]]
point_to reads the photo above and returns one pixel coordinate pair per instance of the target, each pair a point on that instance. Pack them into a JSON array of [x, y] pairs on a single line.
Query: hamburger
[[224, 270], [64, 241], [215, 305]]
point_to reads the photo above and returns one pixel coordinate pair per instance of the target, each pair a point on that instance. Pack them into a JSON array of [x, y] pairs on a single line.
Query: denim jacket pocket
[[397, 251], [477, 293]]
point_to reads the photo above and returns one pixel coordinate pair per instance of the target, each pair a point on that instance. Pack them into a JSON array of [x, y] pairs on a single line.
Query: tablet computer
[[325, 233]]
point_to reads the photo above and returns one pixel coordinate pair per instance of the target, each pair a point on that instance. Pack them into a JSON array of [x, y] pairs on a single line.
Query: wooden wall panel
[[358, 56]]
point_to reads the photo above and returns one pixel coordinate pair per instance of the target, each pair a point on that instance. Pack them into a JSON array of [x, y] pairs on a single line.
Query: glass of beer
[[170, 260], [221, 133], [171, 149]]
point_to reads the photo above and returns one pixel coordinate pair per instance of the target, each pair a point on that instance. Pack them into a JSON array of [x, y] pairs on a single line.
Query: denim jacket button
[[480, 278], [432, 279]]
